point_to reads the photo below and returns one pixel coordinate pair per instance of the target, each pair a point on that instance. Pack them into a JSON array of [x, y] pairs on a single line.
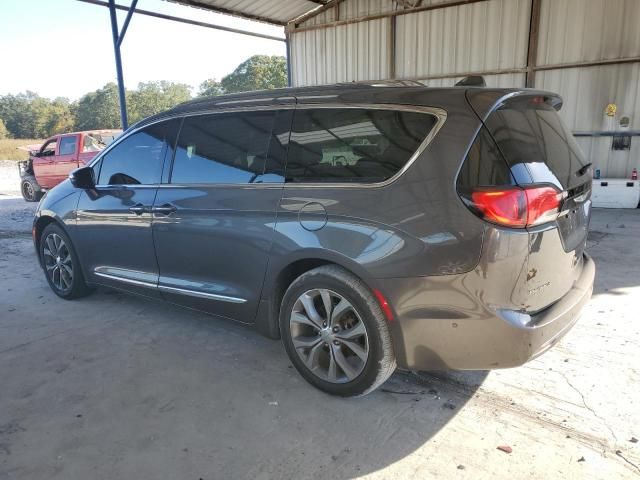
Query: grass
[[9, 148]]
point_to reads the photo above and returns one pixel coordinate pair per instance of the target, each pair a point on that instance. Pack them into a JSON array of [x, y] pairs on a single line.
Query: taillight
[[516, 207]]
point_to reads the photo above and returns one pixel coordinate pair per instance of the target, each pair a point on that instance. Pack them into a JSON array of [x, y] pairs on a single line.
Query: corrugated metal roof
[[276, 12]]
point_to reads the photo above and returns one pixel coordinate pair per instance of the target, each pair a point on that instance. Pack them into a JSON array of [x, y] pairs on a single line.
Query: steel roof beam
[[188, 21]]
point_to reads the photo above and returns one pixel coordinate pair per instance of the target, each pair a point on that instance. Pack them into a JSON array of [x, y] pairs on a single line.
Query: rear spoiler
[[485, 100]]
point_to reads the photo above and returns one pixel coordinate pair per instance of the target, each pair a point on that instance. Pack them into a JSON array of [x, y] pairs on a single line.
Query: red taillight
[[543, 204], [517, 207]]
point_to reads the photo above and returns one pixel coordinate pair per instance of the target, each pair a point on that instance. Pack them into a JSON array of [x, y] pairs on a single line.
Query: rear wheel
[[30, 189], [61, 265], [335, 332]]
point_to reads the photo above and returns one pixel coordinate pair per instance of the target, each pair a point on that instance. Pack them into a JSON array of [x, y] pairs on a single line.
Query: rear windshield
[[536, 144]]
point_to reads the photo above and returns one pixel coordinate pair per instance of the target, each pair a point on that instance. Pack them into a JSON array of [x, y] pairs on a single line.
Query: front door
[[44, 163], [114, 233], [213, 224]]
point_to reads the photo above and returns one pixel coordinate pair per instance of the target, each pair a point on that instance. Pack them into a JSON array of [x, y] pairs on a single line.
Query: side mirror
[[83, 178]]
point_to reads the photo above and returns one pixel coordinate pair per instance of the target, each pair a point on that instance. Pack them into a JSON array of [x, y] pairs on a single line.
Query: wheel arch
[[39, 225], [281, 275]]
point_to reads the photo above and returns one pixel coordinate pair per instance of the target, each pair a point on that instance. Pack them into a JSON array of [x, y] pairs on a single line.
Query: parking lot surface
[[118, 387]]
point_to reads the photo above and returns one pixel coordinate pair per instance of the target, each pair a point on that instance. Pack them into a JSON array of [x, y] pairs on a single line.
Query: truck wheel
[[30, 189]]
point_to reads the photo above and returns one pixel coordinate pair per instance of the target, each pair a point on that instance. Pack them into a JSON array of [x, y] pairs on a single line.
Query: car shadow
[[262, 406]]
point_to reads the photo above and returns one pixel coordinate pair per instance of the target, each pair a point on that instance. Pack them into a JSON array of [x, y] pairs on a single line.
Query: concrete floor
[[114, 386]]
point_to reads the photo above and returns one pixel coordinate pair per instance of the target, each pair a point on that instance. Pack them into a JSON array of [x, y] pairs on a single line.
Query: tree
[[20, 114], [99, 109], [259, 72], [4, 133], [210, 88], [60, 117], [154, 97]]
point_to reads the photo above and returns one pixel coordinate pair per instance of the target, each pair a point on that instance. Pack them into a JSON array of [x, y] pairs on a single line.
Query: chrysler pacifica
[[367, 226]]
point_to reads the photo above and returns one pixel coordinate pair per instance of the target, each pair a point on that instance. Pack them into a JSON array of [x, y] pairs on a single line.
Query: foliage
[[27, 115], [154, 97], [260, 72], [99, 109], [4, 133], [210, 88]]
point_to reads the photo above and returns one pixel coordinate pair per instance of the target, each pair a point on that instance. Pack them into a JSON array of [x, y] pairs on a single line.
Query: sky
[[63, 48]]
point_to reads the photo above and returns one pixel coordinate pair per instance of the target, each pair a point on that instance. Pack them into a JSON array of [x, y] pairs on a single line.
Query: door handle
[[166, 209], [138, 209]]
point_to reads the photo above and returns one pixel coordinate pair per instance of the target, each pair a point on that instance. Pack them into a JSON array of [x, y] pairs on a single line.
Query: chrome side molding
[[131, 277]]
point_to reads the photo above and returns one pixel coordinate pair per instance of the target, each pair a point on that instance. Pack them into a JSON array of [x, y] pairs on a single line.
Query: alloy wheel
[[28, 191], [329, 336], [58, 262]]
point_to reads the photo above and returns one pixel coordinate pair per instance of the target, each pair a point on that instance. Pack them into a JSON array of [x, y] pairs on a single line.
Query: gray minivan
[[367, 225]]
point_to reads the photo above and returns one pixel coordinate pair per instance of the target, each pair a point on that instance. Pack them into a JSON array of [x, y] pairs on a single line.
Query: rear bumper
[[429, 333]]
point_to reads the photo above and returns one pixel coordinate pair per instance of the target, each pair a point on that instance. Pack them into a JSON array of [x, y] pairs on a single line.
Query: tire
[[349, 354], [30, 189], [60, 264]]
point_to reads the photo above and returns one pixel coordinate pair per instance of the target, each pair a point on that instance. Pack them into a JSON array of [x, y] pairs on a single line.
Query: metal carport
[[588, 51]]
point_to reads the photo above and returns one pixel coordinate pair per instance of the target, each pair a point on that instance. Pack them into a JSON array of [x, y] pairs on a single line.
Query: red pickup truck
[[52, 162]]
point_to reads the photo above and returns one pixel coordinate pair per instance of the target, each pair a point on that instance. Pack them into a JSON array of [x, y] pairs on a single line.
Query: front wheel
[[30, 189], [335, 333], [60, 264]]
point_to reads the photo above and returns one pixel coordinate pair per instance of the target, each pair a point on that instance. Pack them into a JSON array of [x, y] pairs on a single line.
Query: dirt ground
[[117, 387]]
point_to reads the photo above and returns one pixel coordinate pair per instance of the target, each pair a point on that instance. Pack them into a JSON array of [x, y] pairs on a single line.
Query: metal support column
[[117, 41], [532, 49], [288, 45]]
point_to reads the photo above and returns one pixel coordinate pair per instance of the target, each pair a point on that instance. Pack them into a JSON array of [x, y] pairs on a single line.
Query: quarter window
[[225, 148], [353, 145], [137, 160]]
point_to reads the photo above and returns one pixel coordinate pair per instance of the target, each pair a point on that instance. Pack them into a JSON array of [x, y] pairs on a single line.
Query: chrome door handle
[[166, 209], [138, 209]]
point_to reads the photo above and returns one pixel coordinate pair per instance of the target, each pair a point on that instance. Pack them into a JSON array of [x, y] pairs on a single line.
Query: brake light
[[517, 207]]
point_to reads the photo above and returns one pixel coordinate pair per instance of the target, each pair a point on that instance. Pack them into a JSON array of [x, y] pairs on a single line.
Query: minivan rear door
[[540, 150], [213, 223]]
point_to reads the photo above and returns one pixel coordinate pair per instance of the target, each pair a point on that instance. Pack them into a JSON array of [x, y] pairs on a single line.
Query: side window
[[353, 145], [68, 145], [225, 148], [138, 159], [49, 148]]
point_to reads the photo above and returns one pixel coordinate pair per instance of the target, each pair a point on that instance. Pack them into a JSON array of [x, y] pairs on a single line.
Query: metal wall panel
[[346, 53], [587, 30], [476, 37], [586, 92]]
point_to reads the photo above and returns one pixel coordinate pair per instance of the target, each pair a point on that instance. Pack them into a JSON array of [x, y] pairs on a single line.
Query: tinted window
[[67, 145], [225, 148], [353, 145], [138, 158], [536, 143], [484, 165]]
